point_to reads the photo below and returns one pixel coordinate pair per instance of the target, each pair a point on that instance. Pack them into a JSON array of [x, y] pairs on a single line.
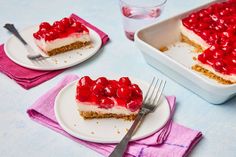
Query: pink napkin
[[28, 78], [173, 140]]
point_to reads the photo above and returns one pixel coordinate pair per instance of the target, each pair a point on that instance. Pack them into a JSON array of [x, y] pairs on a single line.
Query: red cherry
[[65, 21], [227, 49], [85, 29], [207, 19], [56, 23], [234, 52], [121, 102], [102, 80], [48, 37], [98, 89], [124, 81], [136, 91], [53, 34], [36, 35], [233, 61], [214, 17], [124, 92], [110, 90], [224, 42], [44, 25], [193, 15], [203, 25], [133, 106], [60, 26], [43, 30], [41, 34], [218, 65], [205, 34], [106, 103], [224, 12], [85, 81], [71, 21], [203, 57], [83, 93], [77, 26], [94, 99], [218, 54], [114, 83]]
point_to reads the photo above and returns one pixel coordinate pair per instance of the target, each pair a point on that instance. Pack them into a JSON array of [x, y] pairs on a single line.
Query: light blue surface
[[20, 136]]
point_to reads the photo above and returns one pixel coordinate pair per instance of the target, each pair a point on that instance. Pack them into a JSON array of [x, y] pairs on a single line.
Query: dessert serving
[[64, 35], [212, 31], [103, 98]]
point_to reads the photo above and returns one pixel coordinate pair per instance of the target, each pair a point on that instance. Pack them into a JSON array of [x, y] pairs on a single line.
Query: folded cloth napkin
[[173, 140], [28, 78]]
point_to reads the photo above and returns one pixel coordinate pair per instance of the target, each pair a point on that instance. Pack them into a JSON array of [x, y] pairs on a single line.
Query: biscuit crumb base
[[73, 46], [211, 75], [94, 115], [197, 47]]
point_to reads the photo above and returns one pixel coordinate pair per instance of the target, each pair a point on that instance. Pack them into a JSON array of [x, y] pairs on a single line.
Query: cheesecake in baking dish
[[212, 31]]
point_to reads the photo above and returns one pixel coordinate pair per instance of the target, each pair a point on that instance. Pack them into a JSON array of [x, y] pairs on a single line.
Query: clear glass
[[139, 13]]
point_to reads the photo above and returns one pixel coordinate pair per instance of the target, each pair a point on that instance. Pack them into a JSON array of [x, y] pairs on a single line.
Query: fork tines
[[154, 92]]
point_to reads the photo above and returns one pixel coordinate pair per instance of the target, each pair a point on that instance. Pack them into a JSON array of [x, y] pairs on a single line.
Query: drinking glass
[[139, 13]]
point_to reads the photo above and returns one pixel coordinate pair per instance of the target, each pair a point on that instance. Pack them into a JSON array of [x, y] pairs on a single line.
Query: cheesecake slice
[[103, 98], [62, 36]]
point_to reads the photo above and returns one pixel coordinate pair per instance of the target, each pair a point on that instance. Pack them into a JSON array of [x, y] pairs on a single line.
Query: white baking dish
[[177, 62]]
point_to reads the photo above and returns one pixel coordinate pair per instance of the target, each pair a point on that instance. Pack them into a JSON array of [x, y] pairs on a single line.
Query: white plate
[[16, 51], [108, 130]]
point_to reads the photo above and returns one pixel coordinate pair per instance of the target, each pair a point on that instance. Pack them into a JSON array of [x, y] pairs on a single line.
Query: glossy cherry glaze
[[107, 93], [217, 26], [59, 29]]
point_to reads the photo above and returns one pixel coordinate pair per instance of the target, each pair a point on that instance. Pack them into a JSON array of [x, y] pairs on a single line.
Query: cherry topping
[[106, 103], [124, 92], [133, 105], [85, 81], [83, 93], [77, 26], [102, 80], [44, 25], [106, 93], [110, 90], [36, 35], [98, 89], [65, 21], [124, 81], [59, 29], [60, 26], [136, 91]]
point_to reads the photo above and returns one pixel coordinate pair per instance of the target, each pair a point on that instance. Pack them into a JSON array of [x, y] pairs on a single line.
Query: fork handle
[[11, 28], [121, 147]]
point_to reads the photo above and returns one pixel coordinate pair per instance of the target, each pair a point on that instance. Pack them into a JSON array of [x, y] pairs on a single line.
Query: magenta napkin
[[28, 78], [173, 140]]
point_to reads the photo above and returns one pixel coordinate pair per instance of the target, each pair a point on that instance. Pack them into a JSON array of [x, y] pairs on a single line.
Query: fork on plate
[[150, 103], [32, 55]]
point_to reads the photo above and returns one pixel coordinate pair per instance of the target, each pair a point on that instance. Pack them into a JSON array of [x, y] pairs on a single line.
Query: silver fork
[[32, 55], [150, 103]]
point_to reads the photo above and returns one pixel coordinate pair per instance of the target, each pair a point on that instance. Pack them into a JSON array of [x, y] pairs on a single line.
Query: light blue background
[[20, 136]]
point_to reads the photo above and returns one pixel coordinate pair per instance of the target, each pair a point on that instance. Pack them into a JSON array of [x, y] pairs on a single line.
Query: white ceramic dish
[[16, 51], [104, 130], [177, 62]]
